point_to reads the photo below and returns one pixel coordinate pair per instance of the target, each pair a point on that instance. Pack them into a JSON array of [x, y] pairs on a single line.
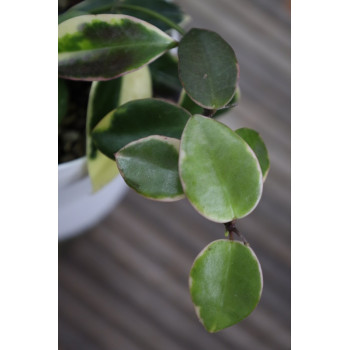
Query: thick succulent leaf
[[136, 8], [208, 68], [105, 96], [220, 174], [165, 76], [225, 284], [138, 119], [102, 47], [257, 144], [63, 97], [150, 167]]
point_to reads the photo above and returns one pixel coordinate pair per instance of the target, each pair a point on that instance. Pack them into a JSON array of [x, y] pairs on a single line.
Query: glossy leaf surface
[[208, 68], [257, 144], [138, 119], [220, 174], [150, 167], [104, 97], [225, 284], [102, 47]]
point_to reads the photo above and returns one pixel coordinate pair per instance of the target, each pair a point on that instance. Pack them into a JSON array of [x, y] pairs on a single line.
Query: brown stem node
[[209, 112], [231, 228]]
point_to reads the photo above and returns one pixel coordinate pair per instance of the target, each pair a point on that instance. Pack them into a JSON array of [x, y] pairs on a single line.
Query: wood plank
[[70, 338], [120, 314], [92, 325]]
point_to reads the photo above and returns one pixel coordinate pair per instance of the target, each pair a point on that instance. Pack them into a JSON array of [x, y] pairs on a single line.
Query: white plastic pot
[[78, 207]]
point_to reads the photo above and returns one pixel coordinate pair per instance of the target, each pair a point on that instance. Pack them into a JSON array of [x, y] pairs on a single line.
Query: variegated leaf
[[225, 283], [138, 119], [102, 47], [150, 167], [104, 97], [208, 68], [220, 174]]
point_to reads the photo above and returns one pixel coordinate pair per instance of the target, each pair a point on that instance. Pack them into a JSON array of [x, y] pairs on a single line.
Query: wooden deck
[[123, 285]]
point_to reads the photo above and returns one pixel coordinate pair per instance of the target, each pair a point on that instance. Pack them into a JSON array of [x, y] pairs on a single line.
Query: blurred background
[[124, 284]]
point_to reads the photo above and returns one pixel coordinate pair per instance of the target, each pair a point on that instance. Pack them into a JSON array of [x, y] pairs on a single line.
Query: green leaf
[[138, 119], [136, 85], [104, 97], [165, 76], [225, 284], [102, 47], [186, 102], [233, 103], [208, 68], [150, 167], [136, 8], [70, 14], [63, 97], [257, 144], [94, 6], [164, 8], [220, 174], [236, 98]]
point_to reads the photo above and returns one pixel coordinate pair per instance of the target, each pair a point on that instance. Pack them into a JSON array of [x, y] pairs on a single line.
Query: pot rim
[[71, 163]]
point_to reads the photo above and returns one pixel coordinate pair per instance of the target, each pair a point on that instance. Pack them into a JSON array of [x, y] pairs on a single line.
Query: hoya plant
[[166, 142]]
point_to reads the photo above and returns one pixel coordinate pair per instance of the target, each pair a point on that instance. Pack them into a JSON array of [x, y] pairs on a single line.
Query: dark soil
[[71, 131]]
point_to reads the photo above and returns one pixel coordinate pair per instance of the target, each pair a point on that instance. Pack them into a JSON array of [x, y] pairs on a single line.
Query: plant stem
[[231, 228], [240, 235], [209, 112]]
